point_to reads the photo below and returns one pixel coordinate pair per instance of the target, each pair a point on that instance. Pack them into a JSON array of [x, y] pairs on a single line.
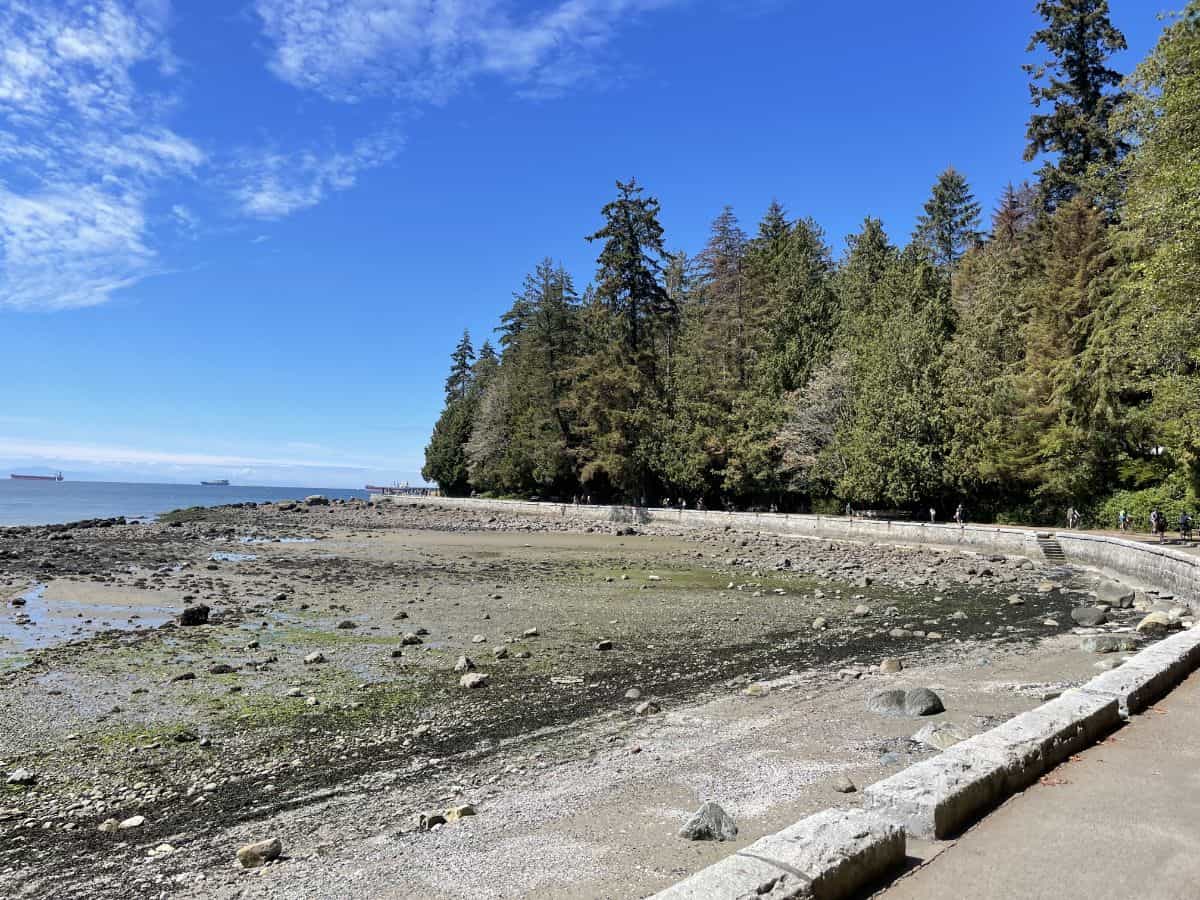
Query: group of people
[[1158, 524]]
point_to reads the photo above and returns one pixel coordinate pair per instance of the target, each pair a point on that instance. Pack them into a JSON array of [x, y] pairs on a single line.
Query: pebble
[[843, 785]]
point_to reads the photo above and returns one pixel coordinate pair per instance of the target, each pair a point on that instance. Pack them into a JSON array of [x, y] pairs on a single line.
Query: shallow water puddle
[[223, 556], [32, 622]]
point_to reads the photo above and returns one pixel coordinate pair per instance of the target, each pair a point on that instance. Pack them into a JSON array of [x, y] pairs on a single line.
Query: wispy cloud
[[429, 49], [82, 148], [93, 454], [276, 184]]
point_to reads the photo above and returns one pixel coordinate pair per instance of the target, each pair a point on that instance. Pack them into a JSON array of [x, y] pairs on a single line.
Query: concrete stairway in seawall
[[1051, 549]]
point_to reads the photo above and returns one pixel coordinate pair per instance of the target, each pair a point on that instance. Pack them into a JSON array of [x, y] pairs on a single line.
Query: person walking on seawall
[[1154, 521], [932, 515], [1122, 521], [1185, 526], [1072, 517], [959, 516], [1161, 528]]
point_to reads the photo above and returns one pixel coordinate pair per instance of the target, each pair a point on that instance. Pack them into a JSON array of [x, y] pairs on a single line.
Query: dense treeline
[[1047, 358]]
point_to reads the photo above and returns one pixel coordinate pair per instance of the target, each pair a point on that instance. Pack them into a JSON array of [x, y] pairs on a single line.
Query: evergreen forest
[[1021, 356]]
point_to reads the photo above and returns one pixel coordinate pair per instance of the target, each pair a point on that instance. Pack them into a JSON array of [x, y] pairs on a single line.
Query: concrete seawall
[[1132, 562]]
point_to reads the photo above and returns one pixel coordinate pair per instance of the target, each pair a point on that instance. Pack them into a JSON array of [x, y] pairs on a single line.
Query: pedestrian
[[1121, 520], [1185, 526], [959, 515], [1161, 528], [932, 515], [1153, 521]]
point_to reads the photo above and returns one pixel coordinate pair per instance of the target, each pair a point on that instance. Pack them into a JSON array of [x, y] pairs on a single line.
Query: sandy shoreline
[[220, 734]]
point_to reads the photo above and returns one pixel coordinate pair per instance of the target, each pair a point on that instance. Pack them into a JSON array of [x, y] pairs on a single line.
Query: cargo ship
[[220, 482], [56, 477]]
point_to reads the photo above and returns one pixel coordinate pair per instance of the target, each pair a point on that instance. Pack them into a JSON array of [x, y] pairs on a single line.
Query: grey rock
[[22, 777], [253, 855], [922, 702], [1089, 616], [887, 703], [889, 665], [1116, 595], [709, 823], [1106, 643], [843, 785], [314, 658], [1156, 624], [474, 680]]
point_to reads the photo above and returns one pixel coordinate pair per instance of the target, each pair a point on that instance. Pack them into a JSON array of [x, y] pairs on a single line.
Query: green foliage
[[1173, 497]]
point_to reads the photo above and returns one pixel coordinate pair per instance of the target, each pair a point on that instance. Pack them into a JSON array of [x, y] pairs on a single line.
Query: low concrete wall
[[1132, 562]]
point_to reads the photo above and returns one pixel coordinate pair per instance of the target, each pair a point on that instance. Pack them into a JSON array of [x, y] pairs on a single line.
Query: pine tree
[[1014, 214], [725, 314], [869, 255], [458, 382], [629, 268], [949, 227], [1078, 85]]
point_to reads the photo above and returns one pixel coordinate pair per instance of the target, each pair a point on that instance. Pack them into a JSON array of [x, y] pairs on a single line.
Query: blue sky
[[240, 239]]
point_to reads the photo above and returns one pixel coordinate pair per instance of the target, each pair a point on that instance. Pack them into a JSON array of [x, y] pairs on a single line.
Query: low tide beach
[[360, 670]]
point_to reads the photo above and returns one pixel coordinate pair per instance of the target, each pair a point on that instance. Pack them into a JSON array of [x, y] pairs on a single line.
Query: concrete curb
[[826, 856]]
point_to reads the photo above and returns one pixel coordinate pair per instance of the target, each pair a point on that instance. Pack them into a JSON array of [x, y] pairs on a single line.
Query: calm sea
[[47, 502]]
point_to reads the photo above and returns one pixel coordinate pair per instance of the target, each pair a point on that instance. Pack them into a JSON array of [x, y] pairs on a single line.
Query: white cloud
[[274, 185], [95, 454], [428, 49], [84, 149]]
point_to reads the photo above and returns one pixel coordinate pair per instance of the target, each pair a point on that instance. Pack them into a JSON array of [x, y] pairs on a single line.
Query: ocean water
[[49, 502]]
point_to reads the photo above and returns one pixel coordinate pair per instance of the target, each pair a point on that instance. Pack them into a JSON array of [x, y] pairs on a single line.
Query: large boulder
[[922, 702], [1115, 595], [1156, 624], [1089, 616], [709, 823]]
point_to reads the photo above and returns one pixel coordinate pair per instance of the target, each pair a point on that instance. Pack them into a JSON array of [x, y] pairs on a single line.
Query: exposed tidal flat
[[631, 673]]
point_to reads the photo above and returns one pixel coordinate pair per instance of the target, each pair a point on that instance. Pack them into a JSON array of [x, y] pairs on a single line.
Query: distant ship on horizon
[[220, 482], [56, 477]]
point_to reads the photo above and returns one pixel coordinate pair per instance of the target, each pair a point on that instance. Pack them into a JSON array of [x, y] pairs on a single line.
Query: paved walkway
[[1121, 820]]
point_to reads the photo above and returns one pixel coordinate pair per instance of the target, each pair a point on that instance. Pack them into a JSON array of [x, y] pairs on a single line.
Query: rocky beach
[[409, 700]]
